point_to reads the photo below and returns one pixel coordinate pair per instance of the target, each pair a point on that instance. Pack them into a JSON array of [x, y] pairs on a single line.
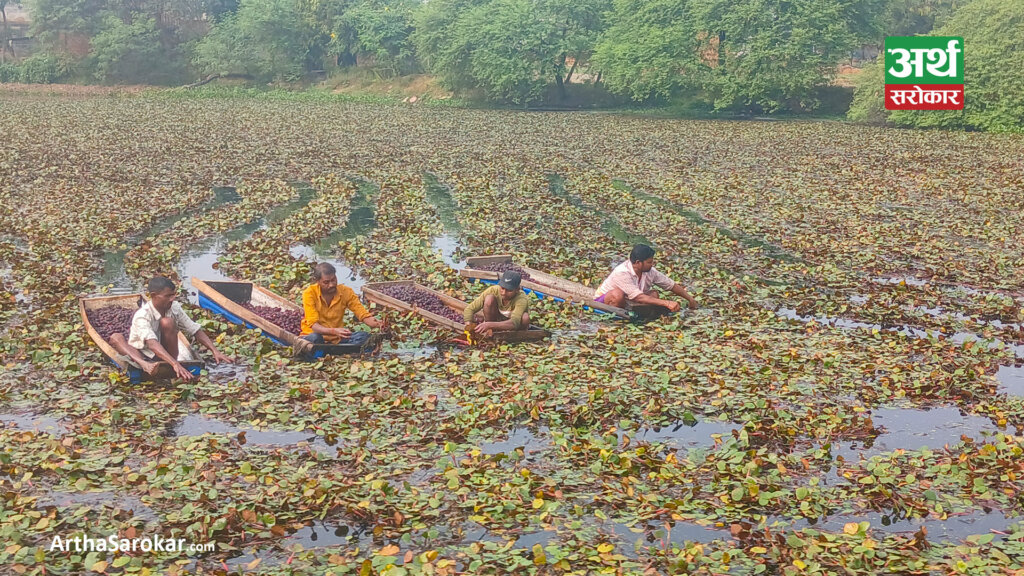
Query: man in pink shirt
[[632, 283]]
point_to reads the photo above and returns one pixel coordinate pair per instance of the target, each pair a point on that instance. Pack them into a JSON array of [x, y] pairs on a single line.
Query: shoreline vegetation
[[416, 90]]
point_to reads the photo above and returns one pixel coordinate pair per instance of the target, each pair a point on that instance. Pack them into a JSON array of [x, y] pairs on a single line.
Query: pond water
[[113, 261], [198, 425], [448, 245], [1011, 380], [910, 332], [524, 438], [201, 259], [916, 428], [36, 422], [346, 275], [684, 436], [956, 527], [99, 501]]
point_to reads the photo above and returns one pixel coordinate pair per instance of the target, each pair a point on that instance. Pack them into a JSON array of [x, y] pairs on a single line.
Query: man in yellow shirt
[[325, 302]]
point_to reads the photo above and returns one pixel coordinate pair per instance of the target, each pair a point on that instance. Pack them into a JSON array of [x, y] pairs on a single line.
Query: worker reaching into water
[[154, 332], [499, 308], [631, 285]]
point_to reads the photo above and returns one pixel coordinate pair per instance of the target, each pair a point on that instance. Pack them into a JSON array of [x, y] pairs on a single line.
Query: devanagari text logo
[[924, 73]]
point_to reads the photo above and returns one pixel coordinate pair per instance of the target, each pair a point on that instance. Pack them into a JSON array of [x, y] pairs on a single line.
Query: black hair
[[640, 253], [159, 284], [323, 269]]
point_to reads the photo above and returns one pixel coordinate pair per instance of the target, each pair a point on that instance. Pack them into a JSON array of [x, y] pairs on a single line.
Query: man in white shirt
[[632, 283], [154, 332]]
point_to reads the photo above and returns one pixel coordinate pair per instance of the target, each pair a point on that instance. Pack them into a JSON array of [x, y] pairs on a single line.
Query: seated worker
[[632, 284], [499, 308], [325, 302], [154, 332]]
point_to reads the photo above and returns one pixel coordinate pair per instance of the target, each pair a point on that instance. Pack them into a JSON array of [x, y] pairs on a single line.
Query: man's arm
[[192, 328], [473, 307], [678, 290], [362, 314], [328, 331], [162, 353], [672, 305], [203, 338]]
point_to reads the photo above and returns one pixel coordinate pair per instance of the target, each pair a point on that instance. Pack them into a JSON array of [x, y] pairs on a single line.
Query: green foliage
[[40, 68], [912, 17], [261, 40], [993, 89], [869, 95], [642, 55], [756, 55], [380, 30], [510, 49], [126, 52]]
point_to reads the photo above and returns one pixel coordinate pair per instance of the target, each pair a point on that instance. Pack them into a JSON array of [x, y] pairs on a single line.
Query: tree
[[993, 33], [512, 50], [379, 29], [650, 49], [263, 39], [763, 55], [126, 52]]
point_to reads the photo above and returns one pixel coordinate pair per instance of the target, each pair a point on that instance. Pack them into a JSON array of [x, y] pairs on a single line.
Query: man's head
[[642, 258], [161, 293], [326, 276], [509, 283]]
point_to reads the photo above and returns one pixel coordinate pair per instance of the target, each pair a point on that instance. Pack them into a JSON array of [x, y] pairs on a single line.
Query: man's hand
[[182, 372], [372, 322], [692, 302], [219, 358], [672, 305], [342, 333], [484, 327]]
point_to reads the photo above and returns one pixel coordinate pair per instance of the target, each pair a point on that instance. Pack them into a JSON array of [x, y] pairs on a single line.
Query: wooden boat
[[542, 285], [226, 298], [164, 371], [373, 294]]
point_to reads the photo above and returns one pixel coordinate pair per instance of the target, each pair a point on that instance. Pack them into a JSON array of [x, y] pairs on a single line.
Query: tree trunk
[[721, 47], [5, 35], [598, 79], [568, 76], [558, 78]]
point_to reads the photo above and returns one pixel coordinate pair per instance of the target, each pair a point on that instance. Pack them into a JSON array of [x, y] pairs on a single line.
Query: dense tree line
[[754, 55]]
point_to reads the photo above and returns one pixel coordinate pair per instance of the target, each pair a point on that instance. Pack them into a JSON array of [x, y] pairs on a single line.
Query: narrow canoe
[[373, 293], [164, 371], [226, 298], [542, 285]]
